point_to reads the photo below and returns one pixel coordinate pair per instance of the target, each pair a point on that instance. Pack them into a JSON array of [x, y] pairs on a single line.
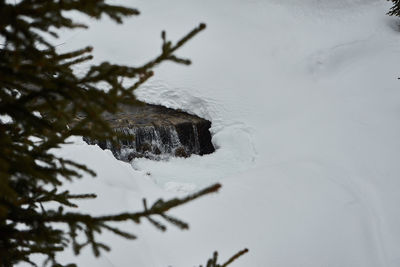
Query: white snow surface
[[305, 106]]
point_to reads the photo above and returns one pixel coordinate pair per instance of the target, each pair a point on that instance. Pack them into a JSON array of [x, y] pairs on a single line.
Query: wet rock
[[181, 152], [144, 148], [156, 132], [156, 151]]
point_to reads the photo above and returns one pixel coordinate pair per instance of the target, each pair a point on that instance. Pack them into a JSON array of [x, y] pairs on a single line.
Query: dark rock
[[156, 151], [144, 148], [155, 132], [181, 152]]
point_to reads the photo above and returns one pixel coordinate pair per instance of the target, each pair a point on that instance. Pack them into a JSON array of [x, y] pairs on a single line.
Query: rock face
[[156, 132]]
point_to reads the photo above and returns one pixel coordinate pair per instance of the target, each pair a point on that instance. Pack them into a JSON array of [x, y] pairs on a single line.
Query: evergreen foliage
[[41, 98], [213, 262], [395, 9]]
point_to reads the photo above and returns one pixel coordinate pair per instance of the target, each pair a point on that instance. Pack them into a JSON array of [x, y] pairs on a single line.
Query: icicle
[[174, 137]]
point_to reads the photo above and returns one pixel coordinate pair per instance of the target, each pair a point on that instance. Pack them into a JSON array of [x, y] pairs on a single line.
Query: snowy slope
[[305, 105]]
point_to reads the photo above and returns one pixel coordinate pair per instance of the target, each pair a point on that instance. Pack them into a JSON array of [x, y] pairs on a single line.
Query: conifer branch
[[213, 262], [47, 103]]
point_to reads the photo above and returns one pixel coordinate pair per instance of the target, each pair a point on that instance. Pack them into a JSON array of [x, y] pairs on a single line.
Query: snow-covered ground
[[305, 105]]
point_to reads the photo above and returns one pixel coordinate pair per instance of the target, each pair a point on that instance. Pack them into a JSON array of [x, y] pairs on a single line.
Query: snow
[[304, 101]]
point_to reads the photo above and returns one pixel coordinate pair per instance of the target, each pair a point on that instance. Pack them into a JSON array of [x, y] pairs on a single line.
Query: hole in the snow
[[156, 132]]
